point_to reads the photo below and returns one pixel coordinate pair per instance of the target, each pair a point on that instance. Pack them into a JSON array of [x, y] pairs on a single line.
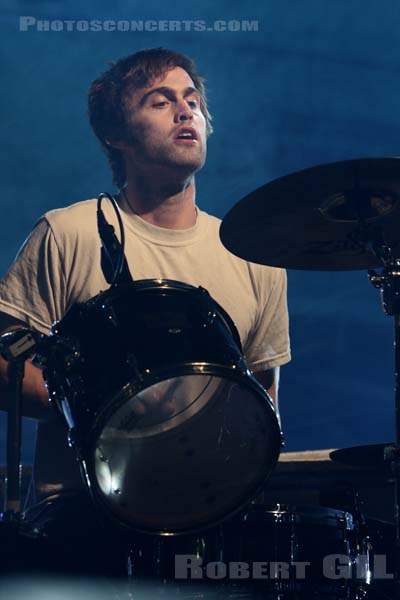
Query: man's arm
[[35, 401], [270, 380]]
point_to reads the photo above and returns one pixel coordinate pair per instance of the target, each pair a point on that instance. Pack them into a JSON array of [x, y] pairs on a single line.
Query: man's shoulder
[[211, 220], [78, 213], [75, 223]]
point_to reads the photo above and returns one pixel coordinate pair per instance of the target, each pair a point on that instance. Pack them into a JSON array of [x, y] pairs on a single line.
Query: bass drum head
[[185, 452]]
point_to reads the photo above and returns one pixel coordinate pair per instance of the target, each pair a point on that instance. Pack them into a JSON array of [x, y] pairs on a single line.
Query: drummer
[[149, 112]]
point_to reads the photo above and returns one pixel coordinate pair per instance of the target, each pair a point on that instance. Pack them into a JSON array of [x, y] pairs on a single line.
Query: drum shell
[[270, 534], [292, 534], [154, 556], [124, 336], [132, 339]]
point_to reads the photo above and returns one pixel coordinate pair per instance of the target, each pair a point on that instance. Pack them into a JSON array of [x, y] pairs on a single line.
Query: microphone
[[113, 260]]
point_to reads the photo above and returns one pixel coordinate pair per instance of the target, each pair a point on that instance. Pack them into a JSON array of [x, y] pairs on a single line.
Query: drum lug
[[204, 291], [211, 316], [73, 441], [110, 315], [73, 354], [63, 353], [131, 361]]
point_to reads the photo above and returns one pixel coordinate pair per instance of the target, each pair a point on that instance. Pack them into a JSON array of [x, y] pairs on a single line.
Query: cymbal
[[370, 456], [320, 218]]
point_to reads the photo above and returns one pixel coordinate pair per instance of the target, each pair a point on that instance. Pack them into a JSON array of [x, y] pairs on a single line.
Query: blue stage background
[[318, 82]]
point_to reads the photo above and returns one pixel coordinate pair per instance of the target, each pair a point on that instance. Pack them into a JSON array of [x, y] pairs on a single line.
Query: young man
[[149, 112]]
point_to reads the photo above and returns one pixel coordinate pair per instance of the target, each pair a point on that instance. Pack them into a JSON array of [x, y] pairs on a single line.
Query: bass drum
[[294, 552], [268, 552], [172, 430]]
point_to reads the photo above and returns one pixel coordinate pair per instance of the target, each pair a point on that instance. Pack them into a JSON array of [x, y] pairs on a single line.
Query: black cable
[[120, 269]]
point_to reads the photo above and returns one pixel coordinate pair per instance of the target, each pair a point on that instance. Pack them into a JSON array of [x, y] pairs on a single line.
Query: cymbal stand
[[388, 282]]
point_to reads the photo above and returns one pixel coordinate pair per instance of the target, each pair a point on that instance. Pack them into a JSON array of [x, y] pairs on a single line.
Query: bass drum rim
[[298, 514]]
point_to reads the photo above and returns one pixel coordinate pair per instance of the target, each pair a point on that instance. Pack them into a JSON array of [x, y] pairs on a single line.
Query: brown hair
[[108, 92]]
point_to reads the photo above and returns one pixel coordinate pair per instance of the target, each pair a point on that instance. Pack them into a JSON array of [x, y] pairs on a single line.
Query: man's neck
[[171, 205]]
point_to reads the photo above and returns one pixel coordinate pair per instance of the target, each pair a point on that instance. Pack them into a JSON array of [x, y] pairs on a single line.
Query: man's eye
[[160, 104], [193, 103]]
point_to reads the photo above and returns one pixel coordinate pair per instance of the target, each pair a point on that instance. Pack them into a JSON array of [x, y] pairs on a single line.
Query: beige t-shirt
[[59, 265]]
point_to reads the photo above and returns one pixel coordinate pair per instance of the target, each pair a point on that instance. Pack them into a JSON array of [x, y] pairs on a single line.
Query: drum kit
[[174, 435]]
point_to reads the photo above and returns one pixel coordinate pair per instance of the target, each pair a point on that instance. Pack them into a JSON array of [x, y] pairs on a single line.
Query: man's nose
[[184, 112]]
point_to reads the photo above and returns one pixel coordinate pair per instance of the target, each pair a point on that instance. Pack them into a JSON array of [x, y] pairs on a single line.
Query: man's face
[[166, 128]]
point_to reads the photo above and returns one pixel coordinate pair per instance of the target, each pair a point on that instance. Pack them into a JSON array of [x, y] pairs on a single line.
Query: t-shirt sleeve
[[268, 343], [33, 289]]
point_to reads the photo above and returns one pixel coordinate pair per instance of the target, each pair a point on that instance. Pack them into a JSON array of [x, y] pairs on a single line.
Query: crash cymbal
[[320, 218], [371, 456]]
